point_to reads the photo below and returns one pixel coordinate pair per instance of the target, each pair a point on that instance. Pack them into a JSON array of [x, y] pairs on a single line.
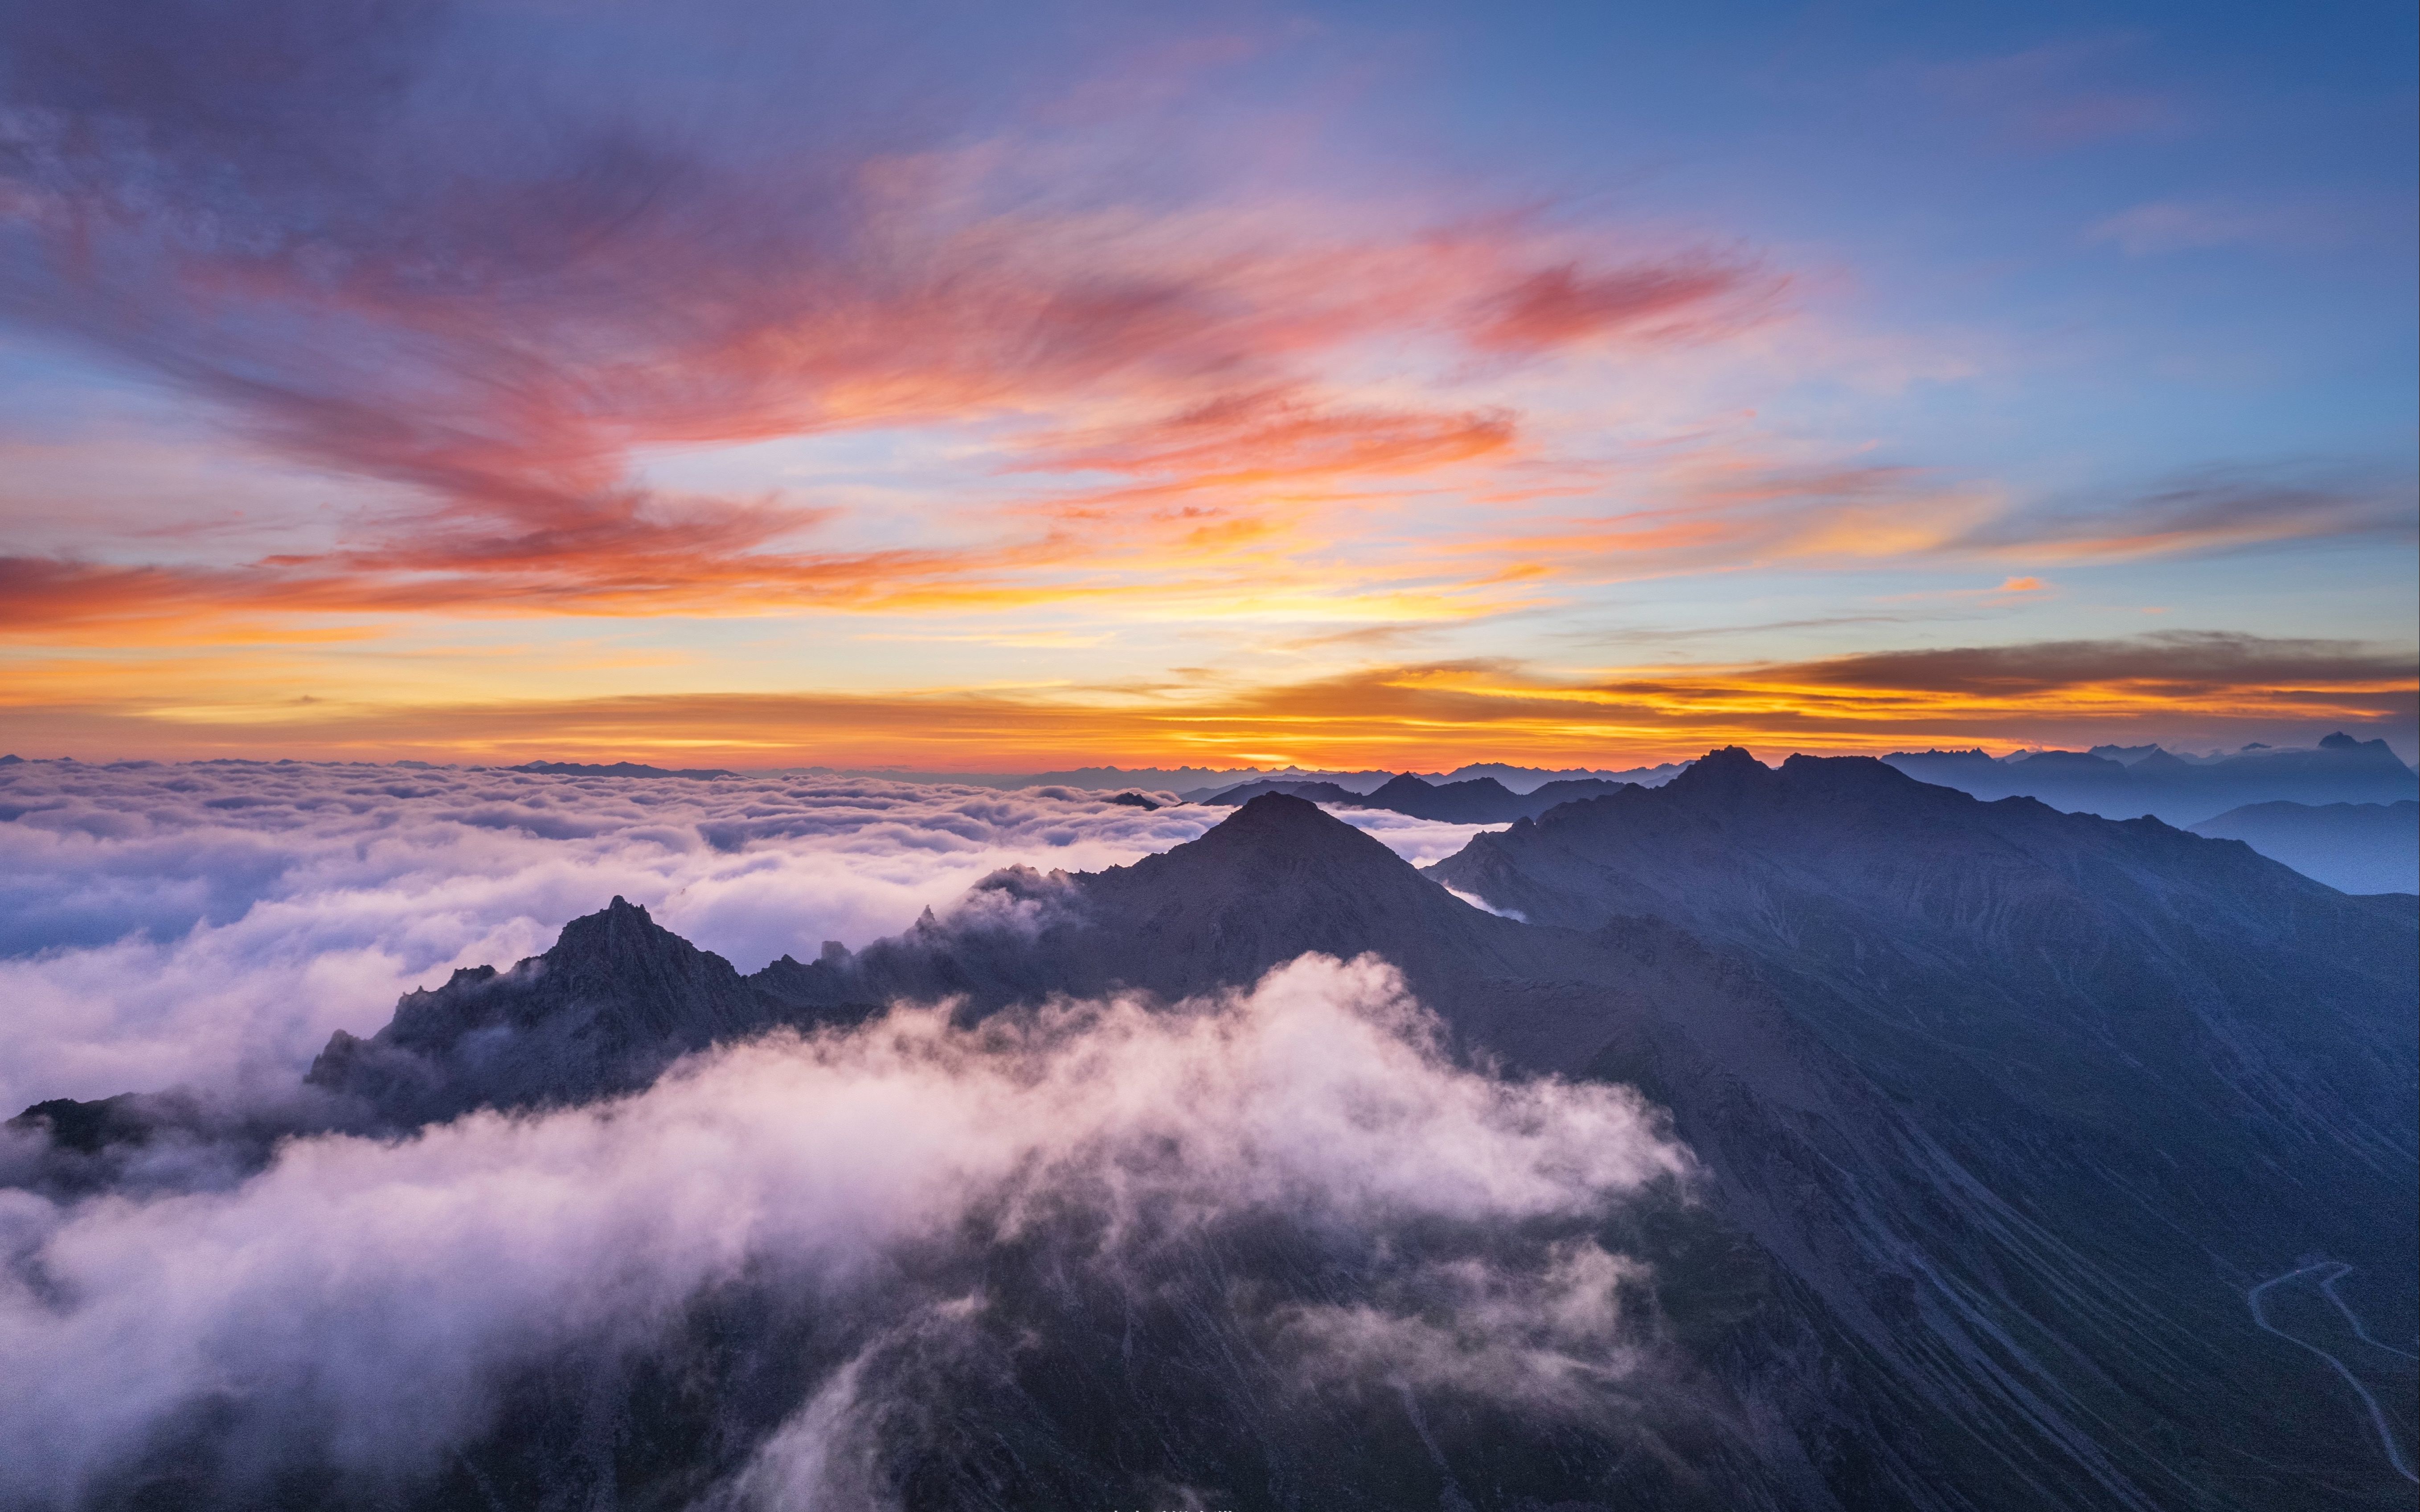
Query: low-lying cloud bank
[[892, 1209], [209, 924]]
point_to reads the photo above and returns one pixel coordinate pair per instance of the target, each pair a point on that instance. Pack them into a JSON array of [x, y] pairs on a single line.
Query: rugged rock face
[[616, 999]]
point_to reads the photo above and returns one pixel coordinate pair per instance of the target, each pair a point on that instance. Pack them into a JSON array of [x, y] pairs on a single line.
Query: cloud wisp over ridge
[[877, 1195], [211, 925]]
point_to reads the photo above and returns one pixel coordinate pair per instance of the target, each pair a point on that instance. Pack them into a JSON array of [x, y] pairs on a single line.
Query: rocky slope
[[2153, 1069]]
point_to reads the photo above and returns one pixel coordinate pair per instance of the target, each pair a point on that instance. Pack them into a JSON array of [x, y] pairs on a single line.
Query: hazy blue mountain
[[2127, 782], [1190, 782], [1477, 801], [1526, 779], [1237, 796], [2353, 847], [1570, 790], [614, 769], [1517, 781]]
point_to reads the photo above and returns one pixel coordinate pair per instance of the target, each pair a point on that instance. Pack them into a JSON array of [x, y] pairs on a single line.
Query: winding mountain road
[[2336, 1271]]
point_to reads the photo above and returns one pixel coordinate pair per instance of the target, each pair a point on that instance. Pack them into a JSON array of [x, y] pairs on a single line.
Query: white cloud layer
[[1416, 840], [366, 1297], [211, 924]]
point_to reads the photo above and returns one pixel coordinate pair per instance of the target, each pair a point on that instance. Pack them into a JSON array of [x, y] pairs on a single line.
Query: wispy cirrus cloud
[[2210, 510], [406, 248], [452, 314], [2061, 94]]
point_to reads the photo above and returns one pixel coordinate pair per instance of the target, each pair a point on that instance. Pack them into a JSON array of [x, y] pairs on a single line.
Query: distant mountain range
[[1480, 800], [2360, 840], [2353, 847], [2004, 1112], [2124, 783], [615, 769]]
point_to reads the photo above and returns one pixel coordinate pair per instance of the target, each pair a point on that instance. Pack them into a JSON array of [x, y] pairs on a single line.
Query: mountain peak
[[1280, 820], [1479, 800], [1727, 769], [615, 998], [614, 938], [1844, 773]]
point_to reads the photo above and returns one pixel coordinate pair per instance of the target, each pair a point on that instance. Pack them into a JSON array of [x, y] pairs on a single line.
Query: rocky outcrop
[[616, 999]]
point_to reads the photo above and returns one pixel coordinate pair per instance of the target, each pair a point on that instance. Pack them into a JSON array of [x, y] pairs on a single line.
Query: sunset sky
[[996, 388]]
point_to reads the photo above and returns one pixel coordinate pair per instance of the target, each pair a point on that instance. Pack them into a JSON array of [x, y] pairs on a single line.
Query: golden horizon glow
[[1424, 717]]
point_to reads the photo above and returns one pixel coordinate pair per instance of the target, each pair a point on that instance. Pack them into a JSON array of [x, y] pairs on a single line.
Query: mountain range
[[2124, 1072], [1479, 800], [2353, 847], [2123, 783], [2003, 1115]]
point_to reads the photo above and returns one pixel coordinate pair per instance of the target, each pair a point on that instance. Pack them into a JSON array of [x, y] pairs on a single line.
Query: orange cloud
[[2176, 687], [1561, 305]]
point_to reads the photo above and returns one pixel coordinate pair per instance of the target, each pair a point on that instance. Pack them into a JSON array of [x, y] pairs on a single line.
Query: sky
[[990, 389]]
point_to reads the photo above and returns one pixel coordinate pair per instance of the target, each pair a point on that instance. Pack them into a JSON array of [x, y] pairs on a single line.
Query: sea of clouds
[[362, 1305], [211, 924], [373, 1309]]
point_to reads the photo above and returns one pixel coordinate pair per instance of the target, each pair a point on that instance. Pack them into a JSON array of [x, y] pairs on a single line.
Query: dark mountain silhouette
[[1244, 793], [1548, 794], [2123, 783], [615, 769], [2353, 847], [2149, 1069], [2001, 1110], [1481, 800], [1529, 778], [617, 998]]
